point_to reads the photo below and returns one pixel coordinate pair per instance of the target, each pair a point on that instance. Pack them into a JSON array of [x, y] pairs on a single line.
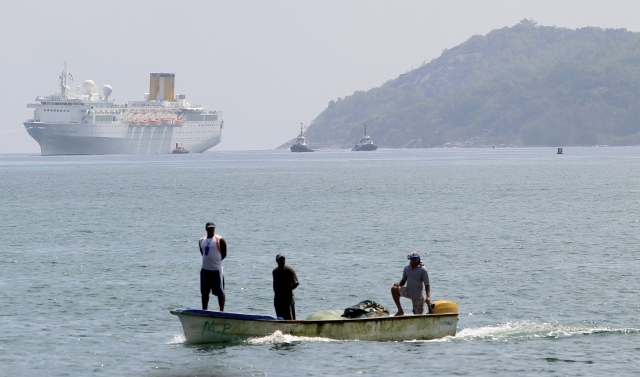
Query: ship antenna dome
[[88, 86]]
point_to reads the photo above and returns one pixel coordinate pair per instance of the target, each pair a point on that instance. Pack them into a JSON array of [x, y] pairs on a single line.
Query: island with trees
[[525, 85]]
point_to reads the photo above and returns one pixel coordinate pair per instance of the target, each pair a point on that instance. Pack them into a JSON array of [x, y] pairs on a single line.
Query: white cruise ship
[[87, 122]]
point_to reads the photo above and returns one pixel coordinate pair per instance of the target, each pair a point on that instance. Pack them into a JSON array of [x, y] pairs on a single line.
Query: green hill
[[527, 85]]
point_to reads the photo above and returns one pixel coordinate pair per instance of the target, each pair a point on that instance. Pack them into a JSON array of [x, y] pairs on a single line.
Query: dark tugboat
[[559, 151], [179, 150], [301, 144], [366, 144]]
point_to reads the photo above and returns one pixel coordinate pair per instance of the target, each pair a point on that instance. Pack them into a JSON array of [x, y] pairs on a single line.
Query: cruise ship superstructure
[[87, 122]]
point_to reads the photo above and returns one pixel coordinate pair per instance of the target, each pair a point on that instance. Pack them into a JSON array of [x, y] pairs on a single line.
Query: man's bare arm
[[223, 248]]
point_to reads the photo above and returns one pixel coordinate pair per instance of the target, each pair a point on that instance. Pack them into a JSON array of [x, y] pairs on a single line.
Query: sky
[[266, 64]]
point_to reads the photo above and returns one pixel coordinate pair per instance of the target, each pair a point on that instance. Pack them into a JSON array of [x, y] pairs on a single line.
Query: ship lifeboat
[[179, 122], [156, 122]]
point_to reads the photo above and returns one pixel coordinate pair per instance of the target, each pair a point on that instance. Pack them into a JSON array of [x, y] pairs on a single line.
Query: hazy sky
[[268, 65]]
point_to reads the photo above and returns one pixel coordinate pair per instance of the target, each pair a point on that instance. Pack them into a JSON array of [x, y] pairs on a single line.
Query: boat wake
[[530, 330], [178, 339], [279, 338]]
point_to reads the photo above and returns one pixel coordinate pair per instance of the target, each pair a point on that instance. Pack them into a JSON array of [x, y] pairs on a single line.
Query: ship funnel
[[162, 86], [106, 91]]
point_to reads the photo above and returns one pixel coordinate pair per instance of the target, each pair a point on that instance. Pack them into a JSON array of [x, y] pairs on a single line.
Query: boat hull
[[365, 147], [117, 138], [201, 326], [300, 148]]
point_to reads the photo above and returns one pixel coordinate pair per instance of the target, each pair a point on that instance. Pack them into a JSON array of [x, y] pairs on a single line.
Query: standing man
[[284, 282], [415, 275], [213, 249]]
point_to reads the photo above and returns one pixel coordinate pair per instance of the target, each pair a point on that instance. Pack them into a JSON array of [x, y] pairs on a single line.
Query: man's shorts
[[418, 305], [211, 280]]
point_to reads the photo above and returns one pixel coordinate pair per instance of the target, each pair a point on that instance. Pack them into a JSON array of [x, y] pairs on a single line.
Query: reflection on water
[[284, 347], [212, 349]]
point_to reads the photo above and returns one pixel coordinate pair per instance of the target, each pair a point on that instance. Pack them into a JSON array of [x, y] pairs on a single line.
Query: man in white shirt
[[213, 249]]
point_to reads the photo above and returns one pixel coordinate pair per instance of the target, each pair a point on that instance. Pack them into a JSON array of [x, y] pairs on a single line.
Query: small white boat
[[204, 326]]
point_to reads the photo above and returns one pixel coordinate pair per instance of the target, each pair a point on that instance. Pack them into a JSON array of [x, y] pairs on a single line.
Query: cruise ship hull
[[82, 139]]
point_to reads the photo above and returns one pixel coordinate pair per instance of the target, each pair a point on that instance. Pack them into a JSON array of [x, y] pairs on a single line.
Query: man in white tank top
[[213, 249]]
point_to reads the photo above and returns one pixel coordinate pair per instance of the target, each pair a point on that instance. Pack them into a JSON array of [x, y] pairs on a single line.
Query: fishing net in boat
[[363, 309], [366, 309]]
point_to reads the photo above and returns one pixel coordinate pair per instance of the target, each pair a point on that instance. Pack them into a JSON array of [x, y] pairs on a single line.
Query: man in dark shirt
[[284, 282]]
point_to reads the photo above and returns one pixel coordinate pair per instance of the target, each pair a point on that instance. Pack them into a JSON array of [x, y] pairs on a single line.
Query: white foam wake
[[279, 338], [177, 339], [531, 330]]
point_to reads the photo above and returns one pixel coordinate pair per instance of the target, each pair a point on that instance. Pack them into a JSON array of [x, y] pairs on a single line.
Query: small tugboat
[[559, 151], [301, 144], [366, 144], [180, 150]]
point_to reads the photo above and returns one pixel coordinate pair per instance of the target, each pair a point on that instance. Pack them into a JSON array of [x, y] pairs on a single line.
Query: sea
[[540, 251]]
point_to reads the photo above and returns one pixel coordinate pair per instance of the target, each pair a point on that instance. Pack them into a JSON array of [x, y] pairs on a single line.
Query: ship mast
[[63, 80], [300, 128]]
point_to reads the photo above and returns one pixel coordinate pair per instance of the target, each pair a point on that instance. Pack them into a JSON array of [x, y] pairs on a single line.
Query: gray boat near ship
[[301, 145], [366, 143]]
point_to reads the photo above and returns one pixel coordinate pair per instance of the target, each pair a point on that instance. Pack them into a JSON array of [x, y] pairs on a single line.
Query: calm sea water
[[540, 251]]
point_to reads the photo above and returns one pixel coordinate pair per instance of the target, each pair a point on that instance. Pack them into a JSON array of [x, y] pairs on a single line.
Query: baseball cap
[[210, 225], [279, 256], [414, 254]]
